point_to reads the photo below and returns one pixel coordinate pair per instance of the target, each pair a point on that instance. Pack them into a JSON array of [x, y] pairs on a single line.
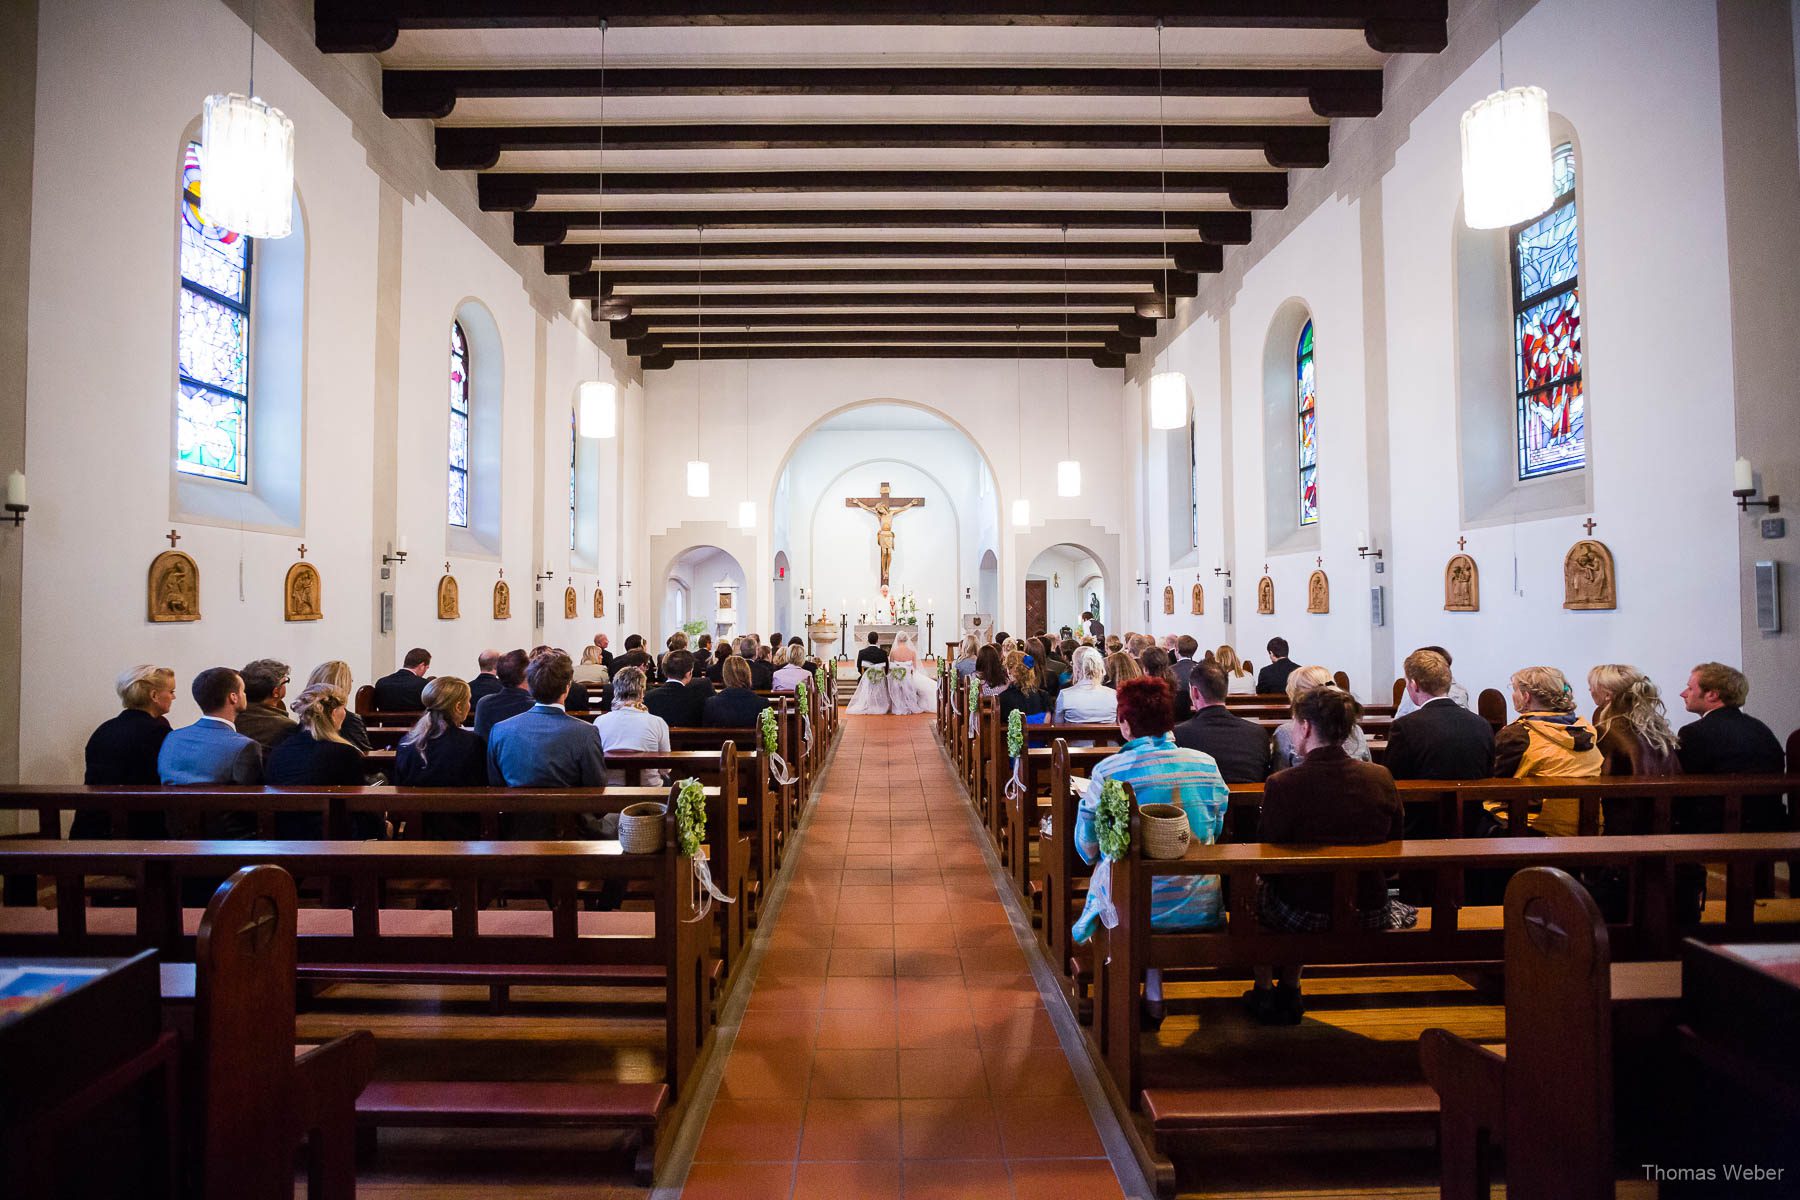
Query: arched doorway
[[1061, 583], [707, 585], [987, 601]]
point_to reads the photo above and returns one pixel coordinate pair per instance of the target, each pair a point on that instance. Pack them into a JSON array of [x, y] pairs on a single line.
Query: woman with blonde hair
[[965, 657], [1287, 735], [1023, 691], [1634, 735], [316, 755], [1087, 700], [1121, 668], [336, 673], [1235, 668], [439, 752], [592, 669], [1548, 738], [124, 747]]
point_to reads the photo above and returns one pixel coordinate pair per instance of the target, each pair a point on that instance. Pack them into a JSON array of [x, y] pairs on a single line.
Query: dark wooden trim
[[519, 191], [1130, 326], [1116, 302], [550, 228], [667, 356], [1085, 341], [588, 286], [478, 147], [431, 94], [1186, 256]]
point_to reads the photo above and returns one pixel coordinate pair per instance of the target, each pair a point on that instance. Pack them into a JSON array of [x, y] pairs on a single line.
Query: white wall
[[1373, 261]]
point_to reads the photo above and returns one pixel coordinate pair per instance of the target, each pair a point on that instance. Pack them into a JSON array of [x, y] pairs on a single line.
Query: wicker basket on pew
[[641, 827], [1166, 830]]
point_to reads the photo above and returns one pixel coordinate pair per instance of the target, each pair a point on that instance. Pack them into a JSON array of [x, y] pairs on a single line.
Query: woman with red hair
[[1159, 772]]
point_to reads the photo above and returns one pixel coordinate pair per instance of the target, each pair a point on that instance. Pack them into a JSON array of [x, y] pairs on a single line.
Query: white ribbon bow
[[706, 891]]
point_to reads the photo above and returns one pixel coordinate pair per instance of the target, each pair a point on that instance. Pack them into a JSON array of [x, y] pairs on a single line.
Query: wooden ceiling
[[972, 178]]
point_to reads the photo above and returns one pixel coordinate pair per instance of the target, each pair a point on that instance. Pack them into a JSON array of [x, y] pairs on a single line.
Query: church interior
[[1100, 622]]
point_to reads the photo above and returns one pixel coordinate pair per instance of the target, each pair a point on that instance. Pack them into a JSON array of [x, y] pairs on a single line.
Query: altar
[[885, 631]]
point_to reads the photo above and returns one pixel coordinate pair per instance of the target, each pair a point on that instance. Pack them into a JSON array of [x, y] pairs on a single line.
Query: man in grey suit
[[546, 747], [211, 750]]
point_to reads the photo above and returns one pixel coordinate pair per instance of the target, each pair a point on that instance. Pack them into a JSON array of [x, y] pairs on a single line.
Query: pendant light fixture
[[247, 160], [1021, 507], [746, 506], [1168, 389], [699, 474], [1068, 471], [599, 404], [1508, 176]]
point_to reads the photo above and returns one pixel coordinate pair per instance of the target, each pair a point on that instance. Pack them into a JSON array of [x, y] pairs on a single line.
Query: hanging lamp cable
[[1068, 338], [1162, 165]]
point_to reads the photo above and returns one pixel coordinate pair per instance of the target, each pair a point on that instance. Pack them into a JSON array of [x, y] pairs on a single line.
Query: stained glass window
[[212, 394], [1546, 257], [1305, 403], [459, 426], [572, 445]]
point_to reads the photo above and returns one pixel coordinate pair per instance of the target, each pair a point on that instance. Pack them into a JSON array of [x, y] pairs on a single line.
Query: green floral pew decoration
[[805, 713], [1015, 750], [690, 835], [779, 770], [1112, 830]]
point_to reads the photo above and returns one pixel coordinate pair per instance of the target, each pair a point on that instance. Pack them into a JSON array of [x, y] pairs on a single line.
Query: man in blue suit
[[211, 750], [510, 699], [546, 747]]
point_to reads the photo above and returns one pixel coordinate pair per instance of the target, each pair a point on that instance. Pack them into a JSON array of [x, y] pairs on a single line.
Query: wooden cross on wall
[[1461, 542], [173, 538], [1589, 526], [303, 550]]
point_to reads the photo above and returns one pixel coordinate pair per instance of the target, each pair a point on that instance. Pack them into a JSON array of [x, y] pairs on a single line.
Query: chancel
[[1207, 598]]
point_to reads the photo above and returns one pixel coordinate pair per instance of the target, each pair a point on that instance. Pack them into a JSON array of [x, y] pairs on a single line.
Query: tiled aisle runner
[[895, 1044]]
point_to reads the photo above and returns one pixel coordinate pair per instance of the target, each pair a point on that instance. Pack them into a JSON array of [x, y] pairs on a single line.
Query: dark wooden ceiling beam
[[1086, 342], [372, 26], [431, 93], [1115, 303], [869, 350], [589, 286], [519, 191], [551, 228], [1187, 256], [1121, 323], [478, 148]]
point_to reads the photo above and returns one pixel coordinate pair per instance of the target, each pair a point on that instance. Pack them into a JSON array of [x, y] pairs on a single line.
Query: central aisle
[[894, 1043]]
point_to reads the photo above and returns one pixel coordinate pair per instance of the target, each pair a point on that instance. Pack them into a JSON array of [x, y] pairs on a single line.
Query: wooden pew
[[1445, 936]]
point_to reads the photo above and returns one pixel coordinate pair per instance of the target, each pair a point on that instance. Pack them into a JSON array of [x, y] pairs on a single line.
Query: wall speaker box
[[1768, 597]]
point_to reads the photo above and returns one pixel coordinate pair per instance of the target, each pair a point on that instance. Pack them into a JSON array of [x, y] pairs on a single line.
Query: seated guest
[[794, 672], [1240, 748], [545, 747], [439, 752], [1023, 693], [675, 641], [1273, 678], [124, 750], [628, 725], [1159, 772], [1157, 665], [601, 643], [1114, 644], [1121, 669], [264, 719], [990, 668], [1086, 701], [1635, 738], [681, 699], [578, 701], [762, 670], [1330, 799], [1726, 741], [400, 691], [635, 656], [211, 750], [715, 664], [1548, 738], [512, 698], [965, 656], [590, 670], [486, 683], [871, 655], [704, 648], [316, 755], [1235, 668], [1185, 650], [1052, 671], [735, 706], [1439, 738], [1457, 692], [1287, 735], [336, 673]]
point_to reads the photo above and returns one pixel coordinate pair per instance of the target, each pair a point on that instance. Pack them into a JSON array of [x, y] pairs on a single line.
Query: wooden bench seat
[[1175, 1111]]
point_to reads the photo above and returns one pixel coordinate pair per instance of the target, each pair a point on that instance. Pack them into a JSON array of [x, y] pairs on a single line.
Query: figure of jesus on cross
[[883, 508]]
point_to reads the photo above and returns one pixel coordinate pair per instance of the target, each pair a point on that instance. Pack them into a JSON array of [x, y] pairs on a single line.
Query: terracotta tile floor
[[894, 1044]]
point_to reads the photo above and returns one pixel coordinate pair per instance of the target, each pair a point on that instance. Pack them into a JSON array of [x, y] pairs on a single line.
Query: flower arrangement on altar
[[906, 609]]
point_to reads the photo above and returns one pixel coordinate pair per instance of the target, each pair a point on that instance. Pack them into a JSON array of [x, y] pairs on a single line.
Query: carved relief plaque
[[1318, 593], [1169, 601], [569, 603], [599, 602], [1198, 607], [449, 602], [302, 595], [1265, 596], [502, 601], [1462, 585], [174, 587], [1588, 580]]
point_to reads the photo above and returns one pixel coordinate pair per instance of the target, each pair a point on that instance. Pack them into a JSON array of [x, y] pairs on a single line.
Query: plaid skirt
[[1278, 915]]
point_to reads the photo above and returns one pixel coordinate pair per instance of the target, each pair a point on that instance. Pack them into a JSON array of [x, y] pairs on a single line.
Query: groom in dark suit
[[871, 655]]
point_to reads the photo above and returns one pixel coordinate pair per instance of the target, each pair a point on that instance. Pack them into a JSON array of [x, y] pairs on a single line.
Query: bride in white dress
[[909, 691]]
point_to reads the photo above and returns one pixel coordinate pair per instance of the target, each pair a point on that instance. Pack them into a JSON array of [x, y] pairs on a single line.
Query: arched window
[[1546, 295], [574, 445], [212, 403], [459, 426], [1305, 404]]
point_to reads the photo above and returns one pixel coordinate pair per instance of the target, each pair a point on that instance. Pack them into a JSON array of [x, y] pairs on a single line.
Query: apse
[[938, 510], [1061, 583], [705, 586]]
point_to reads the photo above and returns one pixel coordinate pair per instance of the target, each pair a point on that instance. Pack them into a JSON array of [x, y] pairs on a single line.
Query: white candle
[[403, 543], [15, 489], [1745, 476], [1218, 564], [1362, 539]]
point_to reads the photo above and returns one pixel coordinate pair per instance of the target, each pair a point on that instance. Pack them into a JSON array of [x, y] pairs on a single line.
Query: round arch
[[692, 571], [1070, 612]]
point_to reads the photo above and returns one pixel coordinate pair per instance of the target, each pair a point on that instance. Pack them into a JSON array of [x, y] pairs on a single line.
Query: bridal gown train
[[871, 696]]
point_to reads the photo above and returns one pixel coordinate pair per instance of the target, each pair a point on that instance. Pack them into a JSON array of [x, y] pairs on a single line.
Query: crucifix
[[1461, 542], [1589, 526], [173, 538], [303, 550], [883, 508]]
